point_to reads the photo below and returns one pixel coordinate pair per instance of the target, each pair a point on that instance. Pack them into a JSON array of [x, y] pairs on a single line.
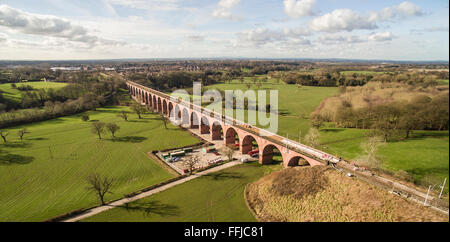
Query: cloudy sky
[[100, 29]]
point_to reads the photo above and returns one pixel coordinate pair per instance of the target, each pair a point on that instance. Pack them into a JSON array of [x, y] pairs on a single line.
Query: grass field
[[43, 176], [15, 95], [426, 153], [364, 72], [443, 82], [217, 197]]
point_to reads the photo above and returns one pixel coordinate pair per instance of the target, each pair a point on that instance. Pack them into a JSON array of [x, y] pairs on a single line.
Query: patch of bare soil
[[321, 194]]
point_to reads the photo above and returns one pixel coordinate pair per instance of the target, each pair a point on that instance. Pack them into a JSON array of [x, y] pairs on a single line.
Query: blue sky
[[99, 29]]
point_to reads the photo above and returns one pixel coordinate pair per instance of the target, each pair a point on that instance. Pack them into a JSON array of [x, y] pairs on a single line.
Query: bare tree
[[248, 84], [124, 115], [164, 120], [98, 128], [99, 185], [4, 135], [370, 148], [113, 128], [312, 138], [228, 152], [22, 132], [191, 162]]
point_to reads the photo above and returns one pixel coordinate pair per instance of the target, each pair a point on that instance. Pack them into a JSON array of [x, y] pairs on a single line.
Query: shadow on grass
[[420, 136], [224, 175], [153, 208], [331, 130], [283, 112], [138, 121], [114, 111], [422, 172], [362, 137], [16, 145], [37, 139], [12, 159], [129, 139]]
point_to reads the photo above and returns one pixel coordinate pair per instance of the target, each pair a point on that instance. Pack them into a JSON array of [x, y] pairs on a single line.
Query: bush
[[85, 117]]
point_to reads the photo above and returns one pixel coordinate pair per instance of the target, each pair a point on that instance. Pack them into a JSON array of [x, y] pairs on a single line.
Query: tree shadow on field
[[12, 159], [153, 208], [37, 139], [16, 145], [283, 112], [331, 130], [114, 111], [224, 175], [129, 139], [138, 121]]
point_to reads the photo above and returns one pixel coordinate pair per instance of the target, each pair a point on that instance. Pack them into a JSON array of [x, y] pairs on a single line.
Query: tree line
[[393, 119]]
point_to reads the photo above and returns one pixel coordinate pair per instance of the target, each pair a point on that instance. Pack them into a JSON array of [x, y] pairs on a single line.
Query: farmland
[[14, 95], [218, 197], [43, 175]]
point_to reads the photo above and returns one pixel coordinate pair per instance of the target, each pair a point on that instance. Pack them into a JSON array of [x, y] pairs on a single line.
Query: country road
[[124, 201]]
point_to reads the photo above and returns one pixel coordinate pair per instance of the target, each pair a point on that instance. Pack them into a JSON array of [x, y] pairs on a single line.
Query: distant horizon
[[380, 61]]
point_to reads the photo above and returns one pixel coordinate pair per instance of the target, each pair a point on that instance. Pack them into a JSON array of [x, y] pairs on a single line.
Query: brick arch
[[176, 113], [297, 161], [247, 143], [185, 118], [230, 136], [146, 98], [195, 120], [164, 106], [217, 131], [205, 125], [266, 154], [170, 109], [155, 103], [150, 100], [160, 108]]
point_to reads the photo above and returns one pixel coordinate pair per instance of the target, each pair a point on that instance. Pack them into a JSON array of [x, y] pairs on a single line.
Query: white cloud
[[49, 26], [262, 36], [295, 32], [195, 37], [223, 9], [167, 5], [299, 8], [383, 36], [353, 39], [401, 11], [3, 37], [258, 37], [348, 20], [341, 20]]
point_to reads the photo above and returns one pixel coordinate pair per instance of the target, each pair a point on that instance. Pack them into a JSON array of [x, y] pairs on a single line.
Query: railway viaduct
[[231, 131]]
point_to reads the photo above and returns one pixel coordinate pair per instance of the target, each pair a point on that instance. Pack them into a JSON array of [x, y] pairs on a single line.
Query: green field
[[425, 153], [14, 95], [217, 197], [364, 72], [443, 82], [44, 176]]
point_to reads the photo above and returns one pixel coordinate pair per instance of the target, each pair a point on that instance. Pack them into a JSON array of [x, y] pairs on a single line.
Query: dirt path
[[122, 202]]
